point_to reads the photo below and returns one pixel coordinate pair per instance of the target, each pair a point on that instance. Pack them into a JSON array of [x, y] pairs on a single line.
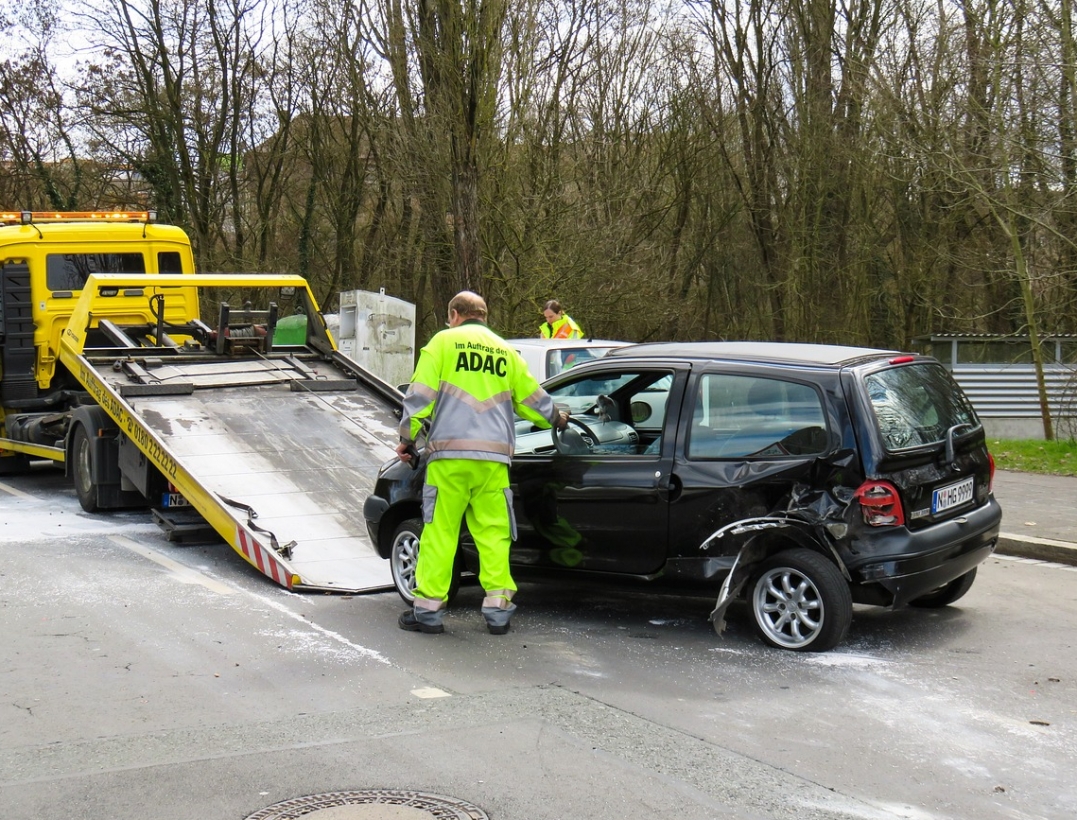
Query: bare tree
[[45, 167], [169, 97], [445, 59]]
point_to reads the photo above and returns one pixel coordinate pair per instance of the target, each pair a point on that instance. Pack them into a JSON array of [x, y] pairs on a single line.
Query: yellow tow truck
[[107, 367]]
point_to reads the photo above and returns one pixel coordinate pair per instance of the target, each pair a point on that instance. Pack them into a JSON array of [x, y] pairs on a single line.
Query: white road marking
[[188, 575], [185, 575], [373, 654], [430, 692], [7, 488]]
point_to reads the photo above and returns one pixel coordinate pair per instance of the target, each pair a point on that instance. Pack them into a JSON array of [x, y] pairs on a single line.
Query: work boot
[[497, 618], [410, 622]]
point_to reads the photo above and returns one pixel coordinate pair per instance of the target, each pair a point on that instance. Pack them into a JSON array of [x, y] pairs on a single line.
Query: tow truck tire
[[800, 601], [946, 594], [404, 557], [82, 469]]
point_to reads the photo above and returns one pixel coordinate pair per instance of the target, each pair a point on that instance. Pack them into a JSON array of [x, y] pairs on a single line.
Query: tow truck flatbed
[[275, 447]]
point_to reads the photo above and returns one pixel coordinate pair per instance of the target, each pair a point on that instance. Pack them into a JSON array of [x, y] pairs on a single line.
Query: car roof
[[773, 352], [554, 343]]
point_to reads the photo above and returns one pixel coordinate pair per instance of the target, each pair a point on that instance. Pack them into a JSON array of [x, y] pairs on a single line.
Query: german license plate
[[175, 500], [952, 495]]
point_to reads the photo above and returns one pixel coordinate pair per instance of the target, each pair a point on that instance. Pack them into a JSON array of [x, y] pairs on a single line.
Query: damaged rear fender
[[765, 536]]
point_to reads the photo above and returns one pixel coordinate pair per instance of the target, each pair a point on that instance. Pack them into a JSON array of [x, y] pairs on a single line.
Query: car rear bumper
[[921, 561]]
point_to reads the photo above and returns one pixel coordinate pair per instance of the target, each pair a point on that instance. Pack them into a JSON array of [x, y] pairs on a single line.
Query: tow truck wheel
[[82, 469], [404, 557], [801, 602], [946, 594]]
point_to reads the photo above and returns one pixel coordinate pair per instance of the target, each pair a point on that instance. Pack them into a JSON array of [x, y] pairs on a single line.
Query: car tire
[[404, 557], [946, 594], [800, 602]]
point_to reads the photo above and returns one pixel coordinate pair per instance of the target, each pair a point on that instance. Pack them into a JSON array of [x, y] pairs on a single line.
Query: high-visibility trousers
[[476, 491]]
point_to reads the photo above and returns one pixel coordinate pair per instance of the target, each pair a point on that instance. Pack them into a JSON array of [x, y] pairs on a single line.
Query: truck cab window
[[169, 262], [68, 271]]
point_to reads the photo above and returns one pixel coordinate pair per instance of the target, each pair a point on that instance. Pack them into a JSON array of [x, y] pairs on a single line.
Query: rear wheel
[[82, 469], [946, 594], [404, 558], [801, 602]]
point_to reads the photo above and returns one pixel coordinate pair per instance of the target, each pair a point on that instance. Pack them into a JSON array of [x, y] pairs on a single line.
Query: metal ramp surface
[[302, 455]]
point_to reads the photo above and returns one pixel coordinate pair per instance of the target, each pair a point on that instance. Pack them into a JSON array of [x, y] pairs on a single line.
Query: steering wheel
[[569, 442]]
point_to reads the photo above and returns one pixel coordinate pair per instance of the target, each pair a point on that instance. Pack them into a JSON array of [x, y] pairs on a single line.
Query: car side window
[[619, 412], [738, 416]]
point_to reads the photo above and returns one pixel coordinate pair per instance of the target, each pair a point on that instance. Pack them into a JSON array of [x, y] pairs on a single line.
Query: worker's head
[[552, 311], [464, 306]]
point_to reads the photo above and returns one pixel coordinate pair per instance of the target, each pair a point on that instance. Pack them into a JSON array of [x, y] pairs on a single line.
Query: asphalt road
[[143, 679]]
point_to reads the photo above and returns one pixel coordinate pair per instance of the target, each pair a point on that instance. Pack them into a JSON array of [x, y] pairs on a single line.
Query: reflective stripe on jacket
[[563, 328], [468, 381]]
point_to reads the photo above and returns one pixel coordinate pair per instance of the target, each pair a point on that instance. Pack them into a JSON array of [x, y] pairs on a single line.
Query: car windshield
[[917, 404]]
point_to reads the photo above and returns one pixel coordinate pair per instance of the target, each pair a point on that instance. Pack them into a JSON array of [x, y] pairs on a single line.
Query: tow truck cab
[[45, 259]]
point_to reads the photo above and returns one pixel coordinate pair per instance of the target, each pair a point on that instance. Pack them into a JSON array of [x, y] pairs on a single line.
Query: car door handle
[[673, 486]]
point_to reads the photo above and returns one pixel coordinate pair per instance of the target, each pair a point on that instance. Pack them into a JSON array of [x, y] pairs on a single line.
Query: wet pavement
[[1039, 516]]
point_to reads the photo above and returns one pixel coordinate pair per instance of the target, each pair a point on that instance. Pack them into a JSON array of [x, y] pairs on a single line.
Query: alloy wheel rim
[[405, 557], [788, 607]]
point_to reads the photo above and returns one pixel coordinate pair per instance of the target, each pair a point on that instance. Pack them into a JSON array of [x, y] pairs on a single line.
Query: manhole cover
[[372, 804]]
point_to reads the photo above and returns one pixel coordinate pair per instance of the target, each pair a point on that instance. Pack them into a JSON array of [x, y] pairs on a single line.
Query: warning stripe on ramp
[[267, 561]]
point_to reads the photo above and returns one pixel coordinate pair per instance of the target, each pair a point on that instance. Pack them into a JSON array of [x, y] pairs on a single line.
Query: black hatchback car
[[800, 477]]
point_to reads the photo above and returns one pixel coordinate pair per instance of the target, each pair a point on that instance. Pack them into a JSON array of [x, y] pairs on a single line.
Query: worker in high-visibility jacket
[[558, 324], [468, 382]]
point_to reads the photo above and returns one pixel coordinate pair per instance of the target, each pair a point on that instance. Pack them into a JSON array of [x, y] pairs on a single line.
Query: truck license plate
[[952, 495], [175, 500]]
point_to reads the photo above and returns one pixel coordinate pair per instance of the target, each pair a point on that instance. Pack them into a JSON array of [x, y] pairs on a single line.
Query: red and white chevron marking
[[267, 561]]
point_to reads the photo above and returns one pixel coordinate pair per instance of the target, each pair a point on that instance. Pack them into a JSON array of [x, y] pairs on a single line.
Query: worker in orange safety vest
[[468, 382]]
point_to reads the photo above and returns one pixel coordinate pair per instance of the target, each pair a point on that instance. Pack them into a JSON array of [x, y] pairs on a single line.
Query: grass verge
[[1033, 456]]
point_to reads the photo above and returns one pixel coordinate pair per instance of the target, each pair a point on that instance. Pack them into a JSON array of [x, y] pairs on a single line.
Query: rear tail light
[[880, 504], [990, 473]]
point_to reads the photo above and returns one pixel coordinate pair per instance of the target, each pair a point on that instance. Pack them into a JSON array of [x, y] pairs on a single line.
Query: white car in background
[[547, 357]]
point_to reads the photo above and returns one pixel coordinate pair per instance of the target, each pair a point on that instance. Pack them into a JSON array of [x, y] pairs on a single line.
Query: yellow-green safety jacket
[[468, 381], [563, 328]]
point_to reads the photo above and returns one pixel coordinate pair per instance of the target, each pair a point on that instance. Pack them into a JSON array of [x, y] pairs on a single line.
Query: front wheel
[[946, 594], [801, 602], [404, 558]]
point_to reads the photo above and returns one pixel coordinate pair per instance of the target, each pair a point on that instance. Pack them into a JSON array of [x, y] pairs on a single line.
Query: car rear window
[[916, 404], [747, 416]]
